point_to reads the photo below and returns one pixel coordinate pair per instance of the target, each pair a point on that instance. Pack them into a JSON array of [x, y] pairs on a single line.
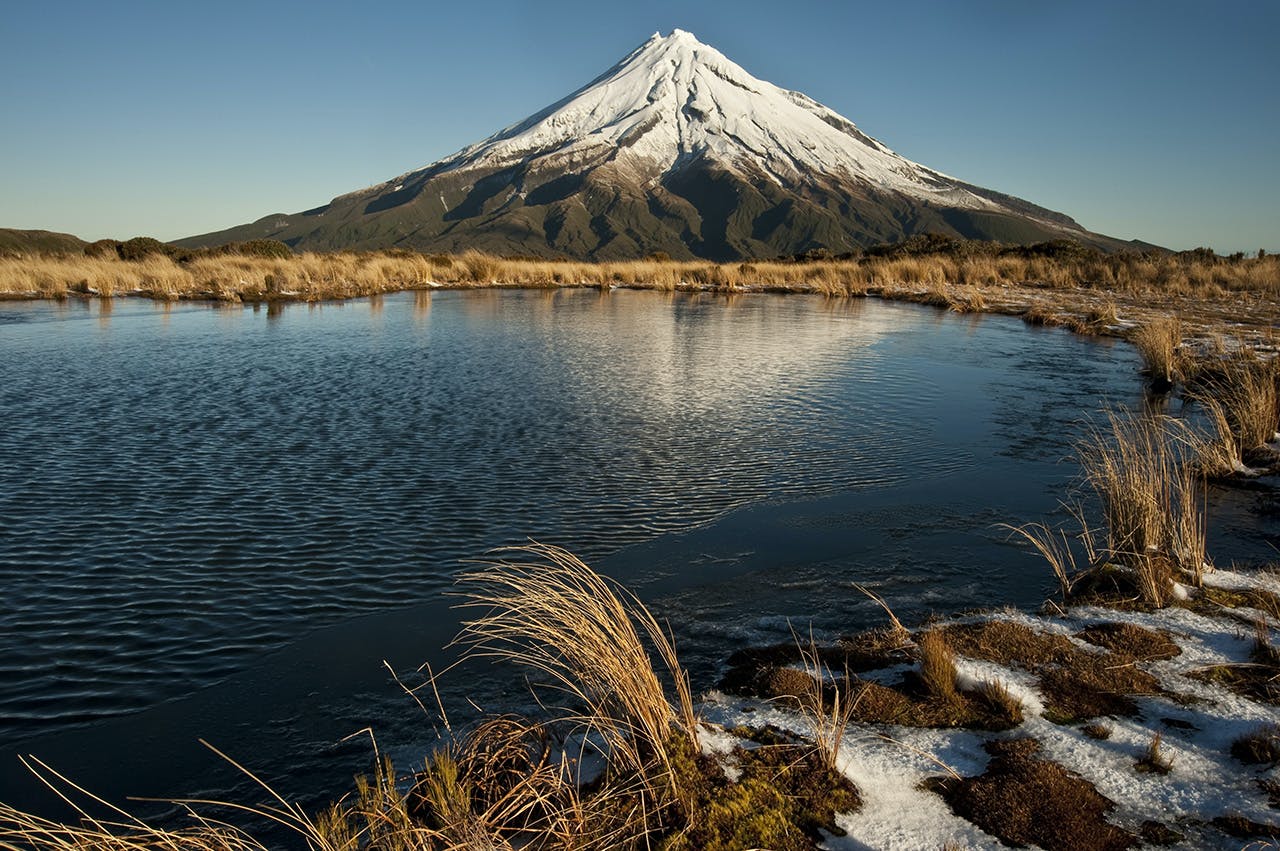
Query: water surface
[[217, 521]]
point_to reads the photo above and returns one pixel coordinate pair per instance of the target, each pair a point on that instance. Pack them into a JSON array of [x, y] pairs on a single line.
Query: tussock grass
[[1264, 652], [1154, 760], [544, 609], [827, 709], [1140, 468], [1143, 469], [1243, 405], [938, 666], [1158, 344], [996, 695], [1260, 746]]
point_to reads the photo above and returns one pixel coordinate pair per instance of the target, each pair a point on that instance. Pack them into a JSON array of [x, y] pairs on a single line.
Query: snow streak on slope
[[675, 150], [674, 98]]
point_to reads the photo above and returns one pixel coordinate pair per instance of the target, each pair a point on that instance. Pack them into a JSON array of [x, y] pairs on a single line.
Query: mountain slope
[[674, 149], [22, 243]]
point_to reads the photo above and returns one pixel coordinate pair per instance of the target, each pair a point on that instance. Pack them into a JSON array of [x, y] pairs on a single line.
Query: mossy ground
[[912, 701], [1076, 685], [1211, 601], [1024, 800], [782, 798], [1136, 642]]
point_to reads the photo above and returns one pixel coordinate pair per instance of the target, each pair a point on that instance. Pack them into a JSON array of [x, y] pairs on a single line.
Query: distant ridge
[[677, 150], [15, 242]]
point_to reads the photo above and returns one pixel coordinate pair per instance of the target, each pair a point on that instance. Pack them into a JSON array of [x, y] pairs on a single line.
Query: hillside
[[19, 243]]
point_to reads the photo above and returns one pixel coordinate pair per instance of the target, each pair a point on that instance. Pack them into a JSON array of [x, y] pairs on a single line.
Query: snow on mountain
[[675, 149], [674, 98]]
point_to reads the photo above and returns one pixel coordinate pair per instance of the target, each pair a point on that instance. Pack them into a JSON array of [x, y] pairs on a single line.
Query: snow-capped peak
[[674, 98]]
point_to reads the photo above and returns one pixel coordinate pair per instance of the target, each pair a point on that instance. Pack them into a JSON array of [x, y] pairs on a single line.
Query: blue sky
[[1150, 120]]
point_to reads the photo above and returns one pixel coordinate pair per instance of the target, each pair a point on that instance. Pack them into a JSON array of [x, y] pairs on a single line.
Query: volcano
[[677, 150]]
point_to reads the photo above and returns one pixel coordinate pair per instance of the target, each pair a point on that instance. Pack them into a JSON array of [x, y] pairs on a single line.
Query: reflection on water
[[190, 486]]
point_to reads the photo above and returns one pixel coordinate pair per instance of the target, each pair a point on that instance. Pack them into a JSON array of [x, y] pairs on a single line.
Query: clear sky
[[1150, 119]]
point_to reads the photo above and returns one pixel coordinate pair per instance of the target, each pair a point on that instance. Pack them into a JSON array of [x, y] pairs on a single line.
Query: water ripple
[[183, 489]]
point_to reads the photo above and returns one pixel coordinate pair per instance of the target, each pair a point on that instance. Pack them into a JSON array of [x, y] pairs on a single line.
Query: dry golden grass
[[1157, 343], [996, 695], [1220, 454], [1259, 746], [344, 274], [109, 828], [1054, 547], [1243, 405], [938, 667], [1154, 760], [1143, 469], [828, 709], [1140, 468], [545, 610]]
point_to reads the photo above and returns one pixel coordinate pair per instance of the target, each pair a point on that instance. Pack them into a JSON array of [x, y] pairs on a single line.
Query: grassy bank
[[1091, 293]]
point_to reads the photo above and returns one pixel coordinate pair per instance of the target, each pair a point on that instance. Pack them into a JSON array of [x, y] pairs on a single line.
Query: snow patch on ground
[[972, 673], [889, 763]]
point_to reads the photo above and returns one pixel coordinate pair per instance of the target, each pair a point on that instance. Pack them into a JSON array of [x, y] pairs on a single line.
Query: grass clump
[[1142, 470], [1097, 732], [1158, 343], [938, 667], [546, 610], [828, 709], [1242, 404], [1154, 760], [1260, 746], [1154, 523], [376, 814], [1000, 701]]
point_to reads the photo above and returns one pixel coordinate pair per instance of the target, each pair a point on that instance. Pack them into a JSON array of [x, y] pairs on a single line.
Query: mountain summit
[[674, 149]]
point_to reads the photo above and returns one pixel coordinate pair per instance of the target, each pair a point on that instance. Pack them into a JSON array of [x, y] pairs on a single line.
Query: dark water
[[218, 521]]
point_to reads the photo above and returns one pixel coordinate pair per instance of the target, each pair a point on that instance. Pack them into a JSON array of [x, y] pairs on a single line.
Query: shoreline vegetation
[[1059, 283], [1140, 706]]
